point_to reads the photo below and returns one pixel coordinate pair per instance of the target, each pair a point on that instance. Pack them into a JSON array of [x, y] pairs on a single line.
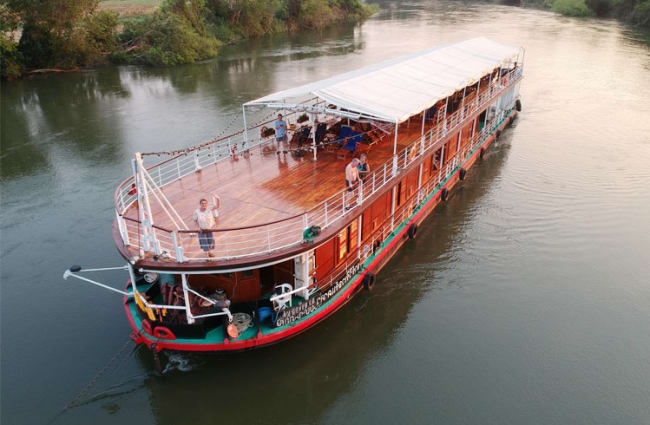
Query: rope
[[74, 403]]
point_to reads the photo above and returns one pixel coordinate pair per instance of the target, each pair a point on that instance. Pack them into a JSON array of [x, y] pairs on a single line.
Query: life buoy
[[413, 229], [163, 333], [443, 194], [482, 153], [518, 105], [146, 326], [262, 130], [368, 281], [232, 331], [461, 174]]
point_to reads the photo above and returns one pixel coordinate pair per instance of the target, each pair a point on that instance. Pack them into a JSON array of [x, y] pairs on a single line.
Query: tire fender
[[413, 229], [518, 105], [368, 281], [461, 174], [443, 194]]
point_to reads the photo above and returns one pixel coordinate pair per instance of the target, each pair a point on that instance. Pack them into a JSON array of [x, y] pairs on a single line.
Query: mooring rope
[[113, 361]]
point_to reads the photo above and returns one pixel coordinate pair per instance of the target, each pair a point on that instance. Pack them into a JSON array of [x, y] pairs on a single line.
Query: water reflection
[[73, 112]]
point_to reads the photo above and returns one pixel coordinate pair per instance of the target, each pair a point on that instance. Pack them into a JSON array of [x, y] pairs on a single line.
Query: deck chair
[[284, 299], [321, 131]]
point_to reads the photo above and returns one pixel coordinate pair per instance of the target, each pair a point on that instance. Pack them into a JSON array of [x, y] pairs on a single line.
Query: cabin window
[[353, 235], [247, 274], [343, 244]]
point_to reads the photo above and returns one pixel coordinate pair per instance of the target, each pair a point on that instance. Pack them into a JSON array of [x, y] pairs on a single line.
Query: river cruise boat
[[287, 243]]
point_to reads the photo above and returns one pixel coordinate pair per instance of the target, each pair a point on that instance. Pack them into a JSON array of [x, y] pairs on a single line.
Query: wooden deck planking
[[262, 187]]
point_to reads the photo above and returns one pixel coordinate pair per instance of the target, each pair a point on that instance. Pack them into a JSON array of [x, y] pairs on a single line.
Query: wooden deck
[[262, 186]]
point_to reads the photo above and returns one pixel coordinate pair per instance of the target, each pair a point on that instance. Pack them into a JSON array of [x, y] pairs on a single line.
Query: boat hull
[[352, 286]]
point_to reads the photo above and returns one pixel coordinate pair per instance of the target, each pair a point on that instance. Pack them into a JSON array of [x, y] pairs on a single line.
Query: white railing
[[266, 238]]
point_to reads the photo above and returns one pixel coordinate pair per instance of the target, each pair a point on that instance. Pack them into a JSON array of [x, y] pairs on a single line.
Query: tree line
[[67, 34]]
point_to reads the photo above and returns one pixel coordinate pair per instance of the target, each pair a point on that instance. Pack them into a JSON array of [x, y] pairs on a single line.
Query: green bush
[[164, 39], [641, 14], [571, 8], [10, 59]]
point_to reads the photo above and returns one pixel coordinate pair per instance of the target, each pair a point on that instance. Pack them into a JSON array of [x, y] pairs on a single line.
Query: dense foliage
[[65, 34], [636, 12]]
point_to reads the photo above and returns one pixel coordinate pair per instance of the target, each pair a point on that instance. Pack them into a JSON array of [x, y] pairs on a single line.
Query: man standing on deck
[[280, 132], [352, 175], [205, 218]]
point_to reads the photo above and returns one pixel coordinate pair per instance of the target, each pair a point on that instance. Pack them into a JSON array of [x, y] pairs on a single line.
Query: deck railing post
[[178, 249], [343, 203], [360, 191], [373, 182], [123, 231], [197, 166], [268, 239], [305, 223]]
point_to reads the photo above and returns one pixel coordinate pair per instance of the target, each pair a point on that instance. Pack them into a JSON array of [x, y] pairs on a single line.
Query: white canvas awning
[[399, 88]]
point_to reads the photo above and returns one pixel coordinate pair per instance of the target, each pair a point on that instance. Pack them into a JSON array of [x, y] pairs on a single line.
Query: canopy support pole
[[424, 114], [395, 151], [313, 134]]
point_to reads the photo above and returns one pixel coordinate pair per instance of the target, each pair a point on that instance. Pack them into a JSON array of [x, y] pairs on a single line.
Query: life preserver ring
[[163, 333], [461, 174], [262, 130], [413, 229], [146, 326], [368, 281], [482, 153], [518, 105], [443, 194]]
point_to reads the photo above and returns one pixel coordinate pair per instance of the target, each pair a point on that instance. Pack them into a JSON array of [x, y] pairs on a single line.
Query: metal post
[[359, 224], [420, 180], [305, 223], [147, 204], [392, 208], [462, 105], [478, 92], [442, 156], [343, 203], [444, 127], [424, 114], [190, 319], [141, 228], [197, 165], [360, 191], [395, 150], [243, 108], [313, 137], [178, 249]]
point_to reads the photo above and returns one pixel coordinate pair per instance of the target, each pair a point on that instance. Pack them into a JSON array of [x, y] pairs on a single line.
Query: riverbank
[[87, 33], [635, 12]]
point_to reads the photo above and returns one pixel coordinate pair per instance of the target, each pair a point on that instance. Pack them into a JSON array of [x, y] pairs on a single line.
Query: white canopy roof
[[399, 88]]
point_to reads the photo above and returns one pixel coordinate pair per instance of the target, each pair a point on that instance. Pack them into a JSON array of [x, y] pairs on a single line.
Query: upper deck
[[268, 199]]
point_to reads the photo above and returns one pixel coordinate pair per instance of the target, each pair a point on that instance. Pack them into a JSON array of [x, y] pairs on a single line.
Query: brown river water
[[524, 299]]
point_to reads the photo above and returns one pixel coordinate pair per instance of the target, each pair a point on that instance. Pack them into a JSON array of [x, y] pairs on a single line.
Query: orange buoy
[[232, 331]]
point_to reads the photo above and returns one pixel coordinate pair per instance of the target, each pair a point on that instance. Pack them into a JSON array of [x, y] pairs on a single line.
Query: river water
[[524, 299]]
